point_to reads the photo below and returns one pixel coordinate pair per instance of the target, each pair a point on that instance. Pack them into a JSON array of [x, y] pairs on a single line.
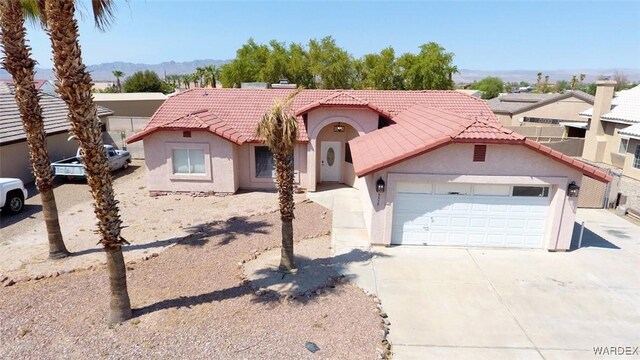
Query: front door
[[330, 161]]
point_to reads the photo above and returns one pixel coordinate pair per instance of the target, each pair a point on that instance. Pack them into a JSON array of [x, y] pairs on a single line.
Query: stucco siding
[[565, 109], [320, 128], [506, 164], [219, 159], [246, 167]]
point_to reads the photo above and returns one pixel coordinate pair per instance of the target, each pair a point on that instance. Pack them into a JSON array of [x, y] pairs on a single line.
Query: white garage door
[[455, 214]]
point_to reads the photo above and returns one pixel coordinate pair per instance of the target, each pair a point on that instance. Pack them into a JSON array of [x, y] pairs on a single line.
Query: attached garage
[[435, 178], [454, 214]]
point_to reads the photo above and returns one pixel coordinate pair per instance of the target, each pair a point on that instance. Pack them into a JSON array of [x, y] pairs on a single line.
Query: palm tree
[[20, 65], [118, 74], [186, 80], [74, 86], [210, 74], [279, 130]]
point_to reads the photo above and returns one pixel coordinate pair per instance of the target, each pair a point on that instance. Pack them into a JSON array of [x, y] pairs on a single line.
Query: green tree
[[562, 86], [144, 81], [118, 74], [298, 67], [432, 68], [278, 129], [330, 65], [490, 86], [379, 71], [250, 59]]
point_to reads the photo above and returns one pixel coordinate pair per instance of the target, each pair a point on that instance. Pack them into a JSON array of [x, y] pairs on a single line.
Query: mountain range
[[103, 72]]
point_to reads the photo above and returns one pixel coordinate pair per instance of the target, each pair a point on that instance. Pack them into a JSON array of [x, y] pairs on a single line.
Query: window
[[186, 134], [541, 120], [539, 191], [623, 146], [347, 154], [188, 161], [636, 158], [265, 167], [479, 153]]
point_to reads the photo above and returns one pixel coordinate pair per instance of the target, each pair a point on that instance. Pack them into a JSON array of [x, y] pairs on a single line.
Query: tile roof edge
[[586, 169]]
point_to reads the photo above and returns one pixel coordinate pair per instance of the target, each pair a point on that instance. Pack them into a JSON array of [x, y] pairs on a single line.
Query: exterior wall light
[[573, 190], [380, 185], [338, 127]]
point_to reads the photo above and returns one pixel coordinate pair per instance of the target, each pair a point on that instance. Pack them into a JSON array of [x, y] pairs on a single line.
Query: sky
[[483, 35]]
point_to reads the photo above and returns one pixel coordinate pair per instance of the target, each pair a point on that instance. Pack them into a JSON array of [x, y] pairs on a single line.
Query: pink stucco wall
[[505, 164], [219, 162], [246, 167], [319, 127]]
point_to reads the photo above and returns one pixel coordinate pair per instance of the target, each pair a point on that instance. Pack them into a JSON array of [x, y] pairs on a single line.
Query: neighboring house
[[433, 167], [526, 109], [613, 135], [44, 86], [474, 93], [14, 154], [130, 104], [131, 113]]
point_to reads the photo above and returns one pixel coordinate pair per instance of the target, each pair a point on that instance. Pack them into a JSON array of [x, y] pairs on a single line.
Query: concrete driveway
[[503, 304]]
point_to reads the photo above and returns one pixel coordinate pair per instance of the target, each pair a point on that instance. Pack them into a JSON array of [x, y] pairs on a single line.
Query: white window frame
[[623, 149], [169, 147], [636, 158], [271, 180]]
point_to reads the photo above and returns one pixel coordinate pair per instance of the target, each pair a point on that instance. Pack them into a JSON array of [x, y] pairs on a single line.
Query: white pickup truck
[[12, 195], [73, 167]]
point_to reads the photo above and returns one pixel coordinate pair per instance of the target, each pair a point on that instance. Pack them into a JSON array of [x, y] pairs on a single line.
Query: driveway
[[508, 303]]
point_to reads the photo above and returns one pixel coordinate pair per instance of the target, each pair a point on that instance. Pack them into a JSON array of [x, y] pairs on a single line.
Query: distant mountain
[[102, 72]]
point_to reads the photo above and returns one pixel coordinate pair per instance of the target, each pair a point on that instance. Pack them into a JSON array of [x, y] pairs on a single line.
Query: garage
[[459, 214]]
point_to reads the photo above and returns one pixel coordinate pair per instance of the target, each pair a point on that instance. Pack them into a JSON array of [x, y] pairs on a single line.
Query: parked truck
[[12, 195], [73, 167]]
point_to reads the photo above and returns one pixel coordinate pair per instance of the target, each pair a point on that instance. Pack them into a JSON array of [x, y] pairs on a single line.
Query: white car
[[12, 195]]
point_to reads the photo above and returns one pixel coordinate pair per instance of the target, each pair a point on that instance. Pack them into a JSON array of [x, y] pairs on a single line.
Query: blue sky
[[483, 35]]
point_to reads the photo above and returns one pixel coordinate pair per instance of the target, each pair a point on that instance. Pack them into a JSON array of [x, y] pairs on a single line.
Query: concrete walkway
[[349, 238]]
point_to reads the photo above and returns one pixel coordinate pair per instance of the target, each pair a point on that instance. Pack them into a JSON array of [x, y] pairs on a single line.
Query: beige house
[[526, 109], [130, 104], [613, 135], [432, 167], [14, 153]]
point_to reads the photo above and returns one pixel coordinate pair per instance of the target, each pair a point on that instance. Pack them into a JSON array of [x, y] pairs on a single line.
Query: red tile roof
[[422, 129], [242, 109]]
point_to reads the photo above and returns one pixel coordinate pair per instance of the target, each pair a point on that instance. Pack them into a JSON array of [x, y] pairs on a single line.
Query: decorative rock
[[3, 278], [386, 321], [319, 291], [384, 314], [154, 255], [9, 283], [39, 277], [311, 346], [258, 293]]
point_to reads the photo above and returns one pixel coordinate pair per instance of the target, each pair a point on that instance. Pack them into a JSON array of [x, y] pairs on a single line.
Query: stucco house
[[613, 135], [527, 109], [432, 167], [14, 153]]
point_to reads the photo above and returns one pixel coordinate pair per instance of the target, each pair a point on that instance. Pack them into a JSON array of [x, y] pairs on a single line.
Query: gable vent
[[479, 153]]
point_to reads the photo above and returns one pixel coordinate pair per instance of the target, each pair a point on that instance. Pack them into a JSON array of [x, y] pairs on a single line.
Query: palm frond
[[34, 13], [103, 13]]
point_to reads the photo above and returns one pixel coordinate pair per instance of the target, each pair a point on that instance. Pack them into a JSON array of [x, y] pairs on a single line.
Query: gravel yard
[[190, 300], [153, 223]]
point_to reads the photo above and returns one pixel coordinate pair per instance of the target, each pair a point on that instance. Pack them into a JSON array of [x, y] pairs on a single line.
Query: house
[[131, 112], [14, 153], [432, 167], [526, 109], [613, 136], [130, 104], [42, 85]]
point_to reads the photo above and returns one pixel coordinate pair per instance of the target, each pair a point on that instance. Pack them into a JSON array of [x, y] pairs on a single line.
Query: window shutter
[[479, 153]]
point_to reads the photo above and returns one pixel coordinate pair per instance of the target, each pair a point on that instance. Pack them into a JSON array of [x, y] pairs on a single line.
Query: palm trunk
[[19, 64], [284, 181], [74, 87], [119, 306]]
